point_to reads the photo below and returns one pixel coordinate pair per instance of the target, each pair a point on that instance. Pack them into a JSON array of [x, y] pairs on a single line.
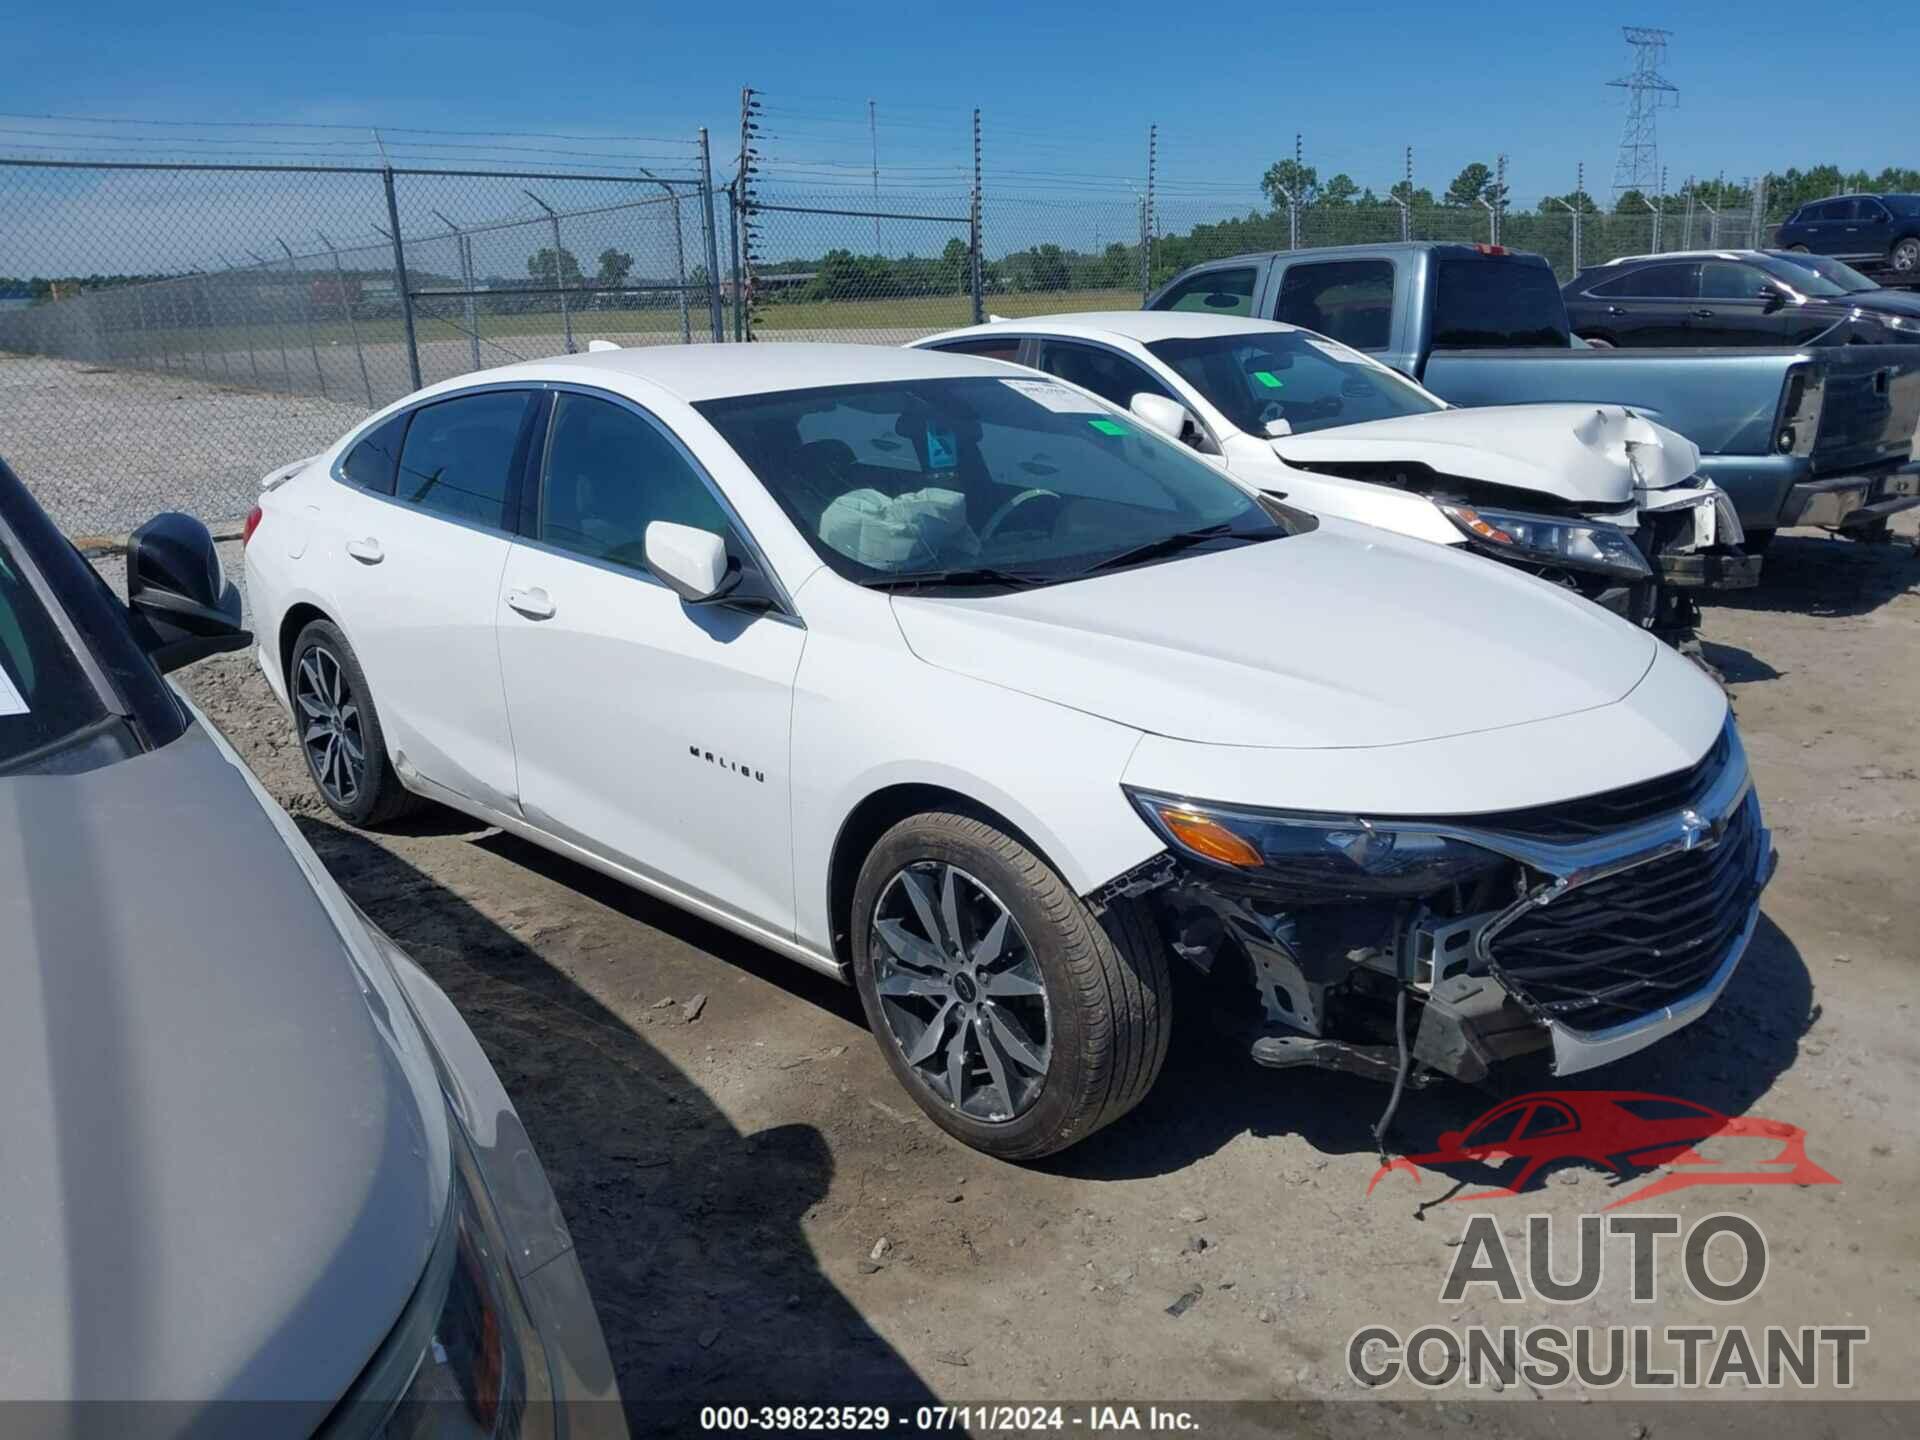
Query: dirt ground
[[764, 1216]]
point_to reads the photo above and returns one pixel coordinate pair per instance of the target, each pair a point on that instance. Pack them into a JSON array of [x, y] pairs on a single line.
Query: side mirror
[[1157, 412], [690, 562], [180, 603], [1773, 298]]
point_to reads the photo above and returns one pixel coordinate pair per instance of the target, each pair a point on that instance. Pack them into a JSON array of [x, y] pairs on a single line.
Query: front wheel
[[1018, 1020], [1598, 342], [1904, 258]]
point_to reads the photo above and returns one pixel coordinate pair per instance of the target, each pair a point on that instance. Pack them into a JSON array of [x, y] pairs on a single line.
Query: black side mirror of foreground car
[[180, 602]]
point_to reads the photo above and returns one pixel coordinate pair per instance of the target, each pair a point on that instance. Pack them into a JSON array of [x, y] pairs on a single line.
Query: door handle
[[1616, 310], [367, 551], [531, 602], [1703, 314]]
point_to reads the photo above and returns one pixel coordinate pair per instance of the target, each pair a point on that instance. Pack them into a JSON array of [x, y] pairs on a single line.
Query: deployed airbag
[[891, 531]]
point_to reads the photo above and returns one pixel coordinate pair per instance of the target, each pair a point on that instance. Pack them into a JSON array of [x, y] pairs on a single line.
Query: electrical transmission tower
[[1638, 167]]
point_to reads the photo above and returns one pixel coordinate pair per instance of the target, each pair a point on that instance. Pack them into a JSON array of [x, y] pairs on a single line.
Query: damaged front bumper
[[1612, 922]]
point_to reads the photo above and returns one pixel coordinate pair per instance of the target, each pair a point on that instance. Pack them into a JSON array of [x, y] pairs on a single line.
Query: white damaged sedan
[[963, 686], [1596, 498]]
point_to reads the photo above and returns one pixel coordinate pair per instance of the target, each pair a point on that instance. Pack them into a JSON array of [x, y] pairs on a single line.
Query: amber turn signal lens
[[1486, 531], [1210, 839]]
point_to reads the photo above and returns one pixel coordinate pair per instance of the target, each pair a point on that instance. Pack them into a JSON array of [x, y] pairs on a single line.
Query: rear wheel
[[1904, 258], [1799, 249], [1018, 1020], [1598, 342], [339, 730]]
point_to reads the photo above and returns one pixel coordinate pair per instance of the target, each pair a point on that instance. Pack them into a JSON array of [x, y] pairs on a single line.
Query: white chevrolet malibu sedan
[[954, 681]]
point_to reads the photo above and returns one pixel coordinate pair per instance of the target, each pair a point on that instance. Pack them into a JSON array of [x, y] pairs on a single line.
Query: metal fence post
[[713, 238], [279, 329], [306, 308], [559, 282], [976, 269], [253, 360], [464, 248], [733, 246], [346, 306], [1145, 262], [400, 275]]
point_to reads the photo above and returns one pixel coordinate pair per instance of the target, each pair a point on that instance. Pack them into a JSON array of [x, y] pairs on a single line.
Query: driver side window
[[1112, 377], [610, 474]]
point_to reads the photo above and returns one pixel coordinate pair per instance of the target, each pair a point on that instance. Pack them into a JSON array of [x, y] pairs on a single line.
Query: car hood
[[225, 1155], [1879, 302], [1586, 454], [1342, 637]]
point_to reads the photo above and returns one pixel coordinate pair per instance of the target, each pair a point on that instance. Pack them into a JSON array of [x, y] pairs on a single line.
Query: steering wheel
[[1006, 511]]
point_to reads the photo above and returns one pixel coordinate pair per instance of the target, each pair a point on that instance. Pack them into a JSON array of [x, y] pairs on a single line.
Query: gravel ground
[[763, 1214]]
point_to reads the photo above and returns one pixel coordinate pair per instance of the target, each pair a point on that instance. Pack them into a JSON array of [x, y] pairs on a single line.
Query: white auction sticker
[[1057, 398], [11, 700]]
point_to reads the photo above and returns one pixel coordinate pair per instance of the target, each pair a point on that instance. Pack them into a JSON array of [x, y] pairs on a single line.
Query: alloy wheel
[[961, 991], [331, 732], [1906, 256]]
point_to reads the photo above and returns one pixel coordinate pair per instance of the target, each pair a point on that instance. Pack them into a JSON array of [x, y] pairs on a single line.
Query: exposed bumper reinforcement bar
[[1709, 572], [1577, 1050]]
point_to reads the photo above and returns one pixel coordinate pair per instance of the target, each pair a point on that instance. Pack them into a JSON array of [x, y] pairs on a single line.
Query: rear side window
[[1348, 300], [1494, 303], [1654, 282], [459, 455], [993, 347], [374, 462], [1216, 292], [611, 473]]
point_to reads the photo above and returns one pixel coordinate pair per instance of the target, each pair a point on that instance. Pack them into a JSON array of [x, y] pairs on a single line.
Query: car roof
[[1683, 255], [1144, 326], [709, 372]]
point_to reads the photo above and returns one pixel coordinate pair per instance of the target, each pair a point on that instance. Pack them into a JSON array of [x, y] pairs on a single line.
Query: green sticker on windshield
[[1269, 379], [1109, 427]]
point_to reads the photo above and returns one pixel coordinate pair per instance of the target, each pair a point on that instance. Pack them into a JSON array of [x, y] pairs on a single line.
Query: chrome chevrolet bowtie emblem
[[1694, 828]]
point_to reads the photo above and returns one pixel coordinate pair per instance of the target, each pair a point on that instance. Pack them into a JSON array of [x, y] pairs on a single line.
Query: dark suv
[[1736, 297], [1875, 230]]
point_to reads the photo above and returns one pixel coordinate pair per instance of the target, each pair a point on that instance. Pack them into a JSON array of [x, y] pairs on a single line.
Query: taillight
[[1491, 249], [253, 524]]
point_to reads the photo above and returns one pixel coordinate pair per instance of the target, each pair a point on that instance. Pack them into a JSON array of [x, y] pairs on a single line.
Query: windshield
[[45, 697], [1496, 303], [995, 481], [1308, 382], [1816, 275]]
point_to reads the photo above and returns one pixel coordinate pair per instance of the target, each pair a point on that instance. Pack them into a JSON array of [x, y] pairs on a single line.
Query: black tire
[[376, 796], [1107, 997], [1758, 542], [1904, 258]]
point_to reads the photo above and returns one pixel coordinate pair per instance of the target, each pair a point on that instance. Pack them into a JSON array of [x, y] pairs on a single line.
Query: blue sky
[[1064, 89]]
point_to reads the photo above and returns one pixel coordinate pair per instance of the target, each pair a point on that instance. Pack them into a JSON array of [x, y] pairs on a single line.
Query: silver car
[[248, 1150]]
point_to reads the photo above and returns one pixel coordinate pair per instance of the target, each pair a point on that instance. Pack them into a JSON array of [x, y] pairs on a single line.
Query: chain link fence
[[234, 318], [238, 317]]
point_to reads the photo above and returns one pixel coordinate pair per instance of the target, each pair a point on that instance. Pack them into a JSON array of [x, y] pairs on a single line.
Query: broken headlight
[[1549, 540], [1322, 858]]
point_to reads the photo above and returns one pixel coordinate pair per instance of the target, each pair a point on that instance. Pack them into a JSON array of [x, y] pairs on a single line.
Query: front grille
[[1618, 947], [1571, 820]]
